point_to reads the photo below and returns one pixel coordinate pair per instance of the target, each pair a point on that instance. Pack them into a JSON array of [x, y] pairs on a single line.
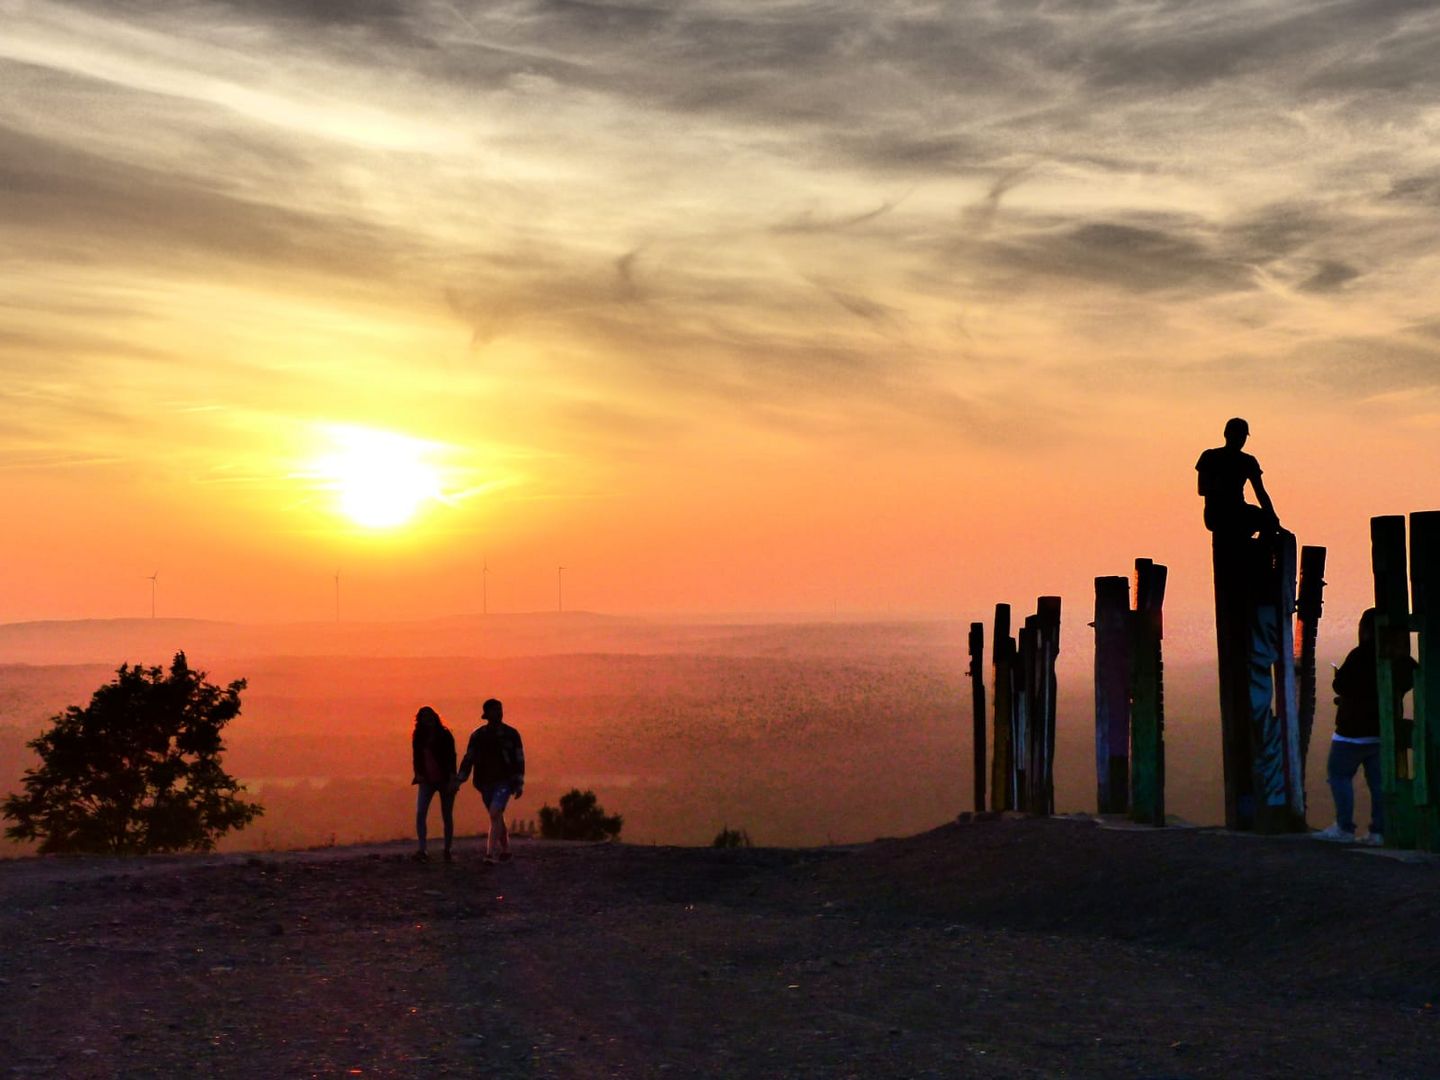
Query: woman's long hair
[[424, 719]]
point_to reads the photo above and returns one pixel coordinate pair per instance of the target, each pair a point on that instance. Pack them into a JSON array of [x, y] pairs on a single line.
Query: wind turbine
[[559, 588], [484, 586], [153, 578], [337, 596]]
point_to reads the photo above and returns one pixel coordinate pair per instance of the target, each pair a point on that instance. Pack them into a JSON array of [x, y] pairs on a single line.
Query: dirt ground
[[1006, 948]]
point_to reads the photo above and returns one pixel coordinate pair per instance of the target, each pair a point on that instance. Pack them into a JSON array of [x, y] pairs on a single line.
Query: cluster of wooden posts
[[1406, 603], [1129, 702], [1022, 765], [1268, 605], [1130, 695]]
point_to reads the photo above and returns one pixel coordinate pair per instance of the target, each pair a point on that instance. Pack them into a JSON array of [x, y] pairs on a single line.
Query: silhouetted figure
[[497, 755], [1356, 742], [1224, 471], [432, 755]]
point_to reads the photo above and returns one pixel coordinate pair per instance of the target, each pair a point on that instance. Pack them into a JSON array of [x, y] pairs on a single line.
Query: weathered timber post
[[1002, 761], [1047, 649], [1025, 716], [1425, 588], [1112, 694], [1147, 718], [1392, 648], [977, 699], [1288, 813], [1308, 604], [1232, 556]]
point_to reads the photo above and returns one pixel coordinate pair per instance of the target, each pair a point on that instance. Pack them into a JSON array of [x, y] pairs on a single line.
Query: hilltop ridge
[[1006, 948]]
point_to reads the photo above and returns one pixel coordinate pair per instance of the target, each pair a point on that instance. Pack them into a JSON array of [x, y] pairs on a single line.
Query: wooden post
[[1231, 559], [1025, 716], [1147, 717], [1002, 760], [1308, 604], [1425, 588], [1047, 650], [1290, 818], [1392, 647], [1112, 694], [977, 699]]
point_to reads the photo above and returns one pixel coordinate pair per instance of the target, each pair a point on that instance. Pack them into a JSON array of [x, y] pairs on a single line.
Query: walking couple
[[497, 758]]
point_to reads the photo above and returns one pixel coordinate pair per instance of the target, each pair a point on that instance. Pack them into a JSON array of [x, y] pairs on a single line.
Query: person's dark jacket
[[1357, 699], [442, 745], [497, 755]]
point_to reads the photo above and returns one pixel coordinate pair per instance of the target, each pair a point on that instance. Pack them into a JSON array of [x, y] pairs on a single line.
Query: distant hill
[[112, 641]]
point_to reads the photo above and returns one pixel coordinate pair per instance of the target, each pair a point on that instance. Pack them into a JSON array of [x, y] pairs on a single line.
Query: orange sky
[[882, 309]]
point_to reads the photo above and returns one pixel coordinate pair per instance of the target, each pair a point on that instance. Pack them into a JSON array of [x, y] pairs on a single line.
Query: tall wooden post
[[1232, 557], [1025, 716], [1425, 588], [1291, 816], [1112, 694], [1047, 650], [1002, 759], [1308, 605], [1392, 648], [977, 699], [1147, 715]]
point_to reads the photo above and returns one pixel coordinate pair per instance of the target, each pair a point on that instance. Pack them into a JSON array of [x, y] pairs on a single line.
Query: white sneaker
[[1375, 839], [1335, 833]]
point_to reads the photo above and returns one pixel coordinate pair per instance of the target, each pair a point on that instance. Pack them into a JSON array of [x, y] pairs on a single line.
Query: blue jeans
[[423, 796], [1344, 759]]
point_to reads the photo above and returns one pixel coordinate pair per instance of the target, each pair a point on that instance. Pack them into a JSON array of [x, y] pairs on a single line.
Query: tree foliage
[[580, 817], [135, 771], [731, 838]]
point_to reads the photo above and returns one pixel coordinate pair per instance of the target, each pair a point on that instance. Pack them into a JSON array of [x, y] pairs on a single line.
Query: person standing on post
[[1356, 742], [432, 757], [497, 757], [1224, 471]]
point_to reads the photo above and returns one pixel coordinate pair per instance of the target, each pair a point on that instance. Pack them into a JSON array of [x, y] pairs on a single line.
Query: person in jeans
[[498, 758], [432, 756], [1356, 742]]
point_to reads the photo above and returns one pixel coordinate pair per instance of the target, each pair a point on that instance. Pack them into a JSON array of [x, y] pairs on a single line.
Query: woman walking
[[432, 753]]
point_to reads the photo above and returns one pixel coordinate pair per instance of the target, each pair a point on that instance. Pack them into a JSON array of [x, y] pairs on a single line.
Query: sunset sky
[[893, 308]]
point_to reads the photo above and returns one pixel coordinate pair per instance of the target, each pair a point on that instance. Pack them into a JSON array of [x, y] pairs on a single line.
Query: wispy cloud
[[786, 210]]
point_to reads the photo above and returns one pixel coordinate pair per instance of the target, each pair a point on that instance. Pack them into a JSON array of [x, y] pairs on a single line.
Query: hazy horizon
[[890, 309]]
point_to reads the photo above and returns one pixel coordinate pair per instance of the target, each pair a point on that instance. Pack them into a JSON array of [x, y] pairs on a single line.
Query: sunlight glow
[[380, 479]]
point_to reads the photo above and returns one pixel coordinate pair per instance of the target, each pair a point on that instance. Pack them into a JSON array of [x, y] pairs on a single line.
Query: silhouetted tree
[[731, 838], [137, 770], [580, 817]]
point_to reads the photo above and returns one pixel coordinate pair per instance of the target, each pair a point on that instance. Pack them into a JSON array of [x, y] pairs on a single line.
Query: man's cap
[[491, 708]]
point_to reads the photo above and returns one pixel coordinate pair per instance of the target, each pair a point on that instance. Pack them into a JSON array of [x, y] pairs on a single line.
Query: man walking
[[498, 759]]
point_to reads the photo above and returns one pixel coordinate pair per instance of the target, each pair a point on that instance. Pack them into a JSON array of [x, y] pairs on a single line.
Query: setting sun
[[380, 479]]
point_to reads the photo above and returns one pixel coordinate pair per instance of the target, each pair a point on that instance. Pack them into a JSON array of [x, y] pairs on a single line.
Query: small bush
[[580, 817], [731, 838]]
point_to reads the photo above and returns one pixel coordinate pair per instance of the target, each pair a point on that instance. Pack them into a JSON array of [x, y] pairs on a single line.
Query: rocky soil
[[1006, 948]]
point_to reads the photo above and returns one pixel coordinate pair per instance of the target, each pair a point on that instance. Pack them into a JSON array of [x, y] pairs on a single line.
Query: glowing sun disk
[[380, 479]]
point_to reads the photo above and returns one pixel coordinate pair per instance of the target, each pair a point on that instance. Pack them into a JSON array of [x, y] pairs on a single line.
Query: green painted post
[[1002, 759], [1112, 694], [1425, 587], [977, 701], [1392, 646], [1147, 699]]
